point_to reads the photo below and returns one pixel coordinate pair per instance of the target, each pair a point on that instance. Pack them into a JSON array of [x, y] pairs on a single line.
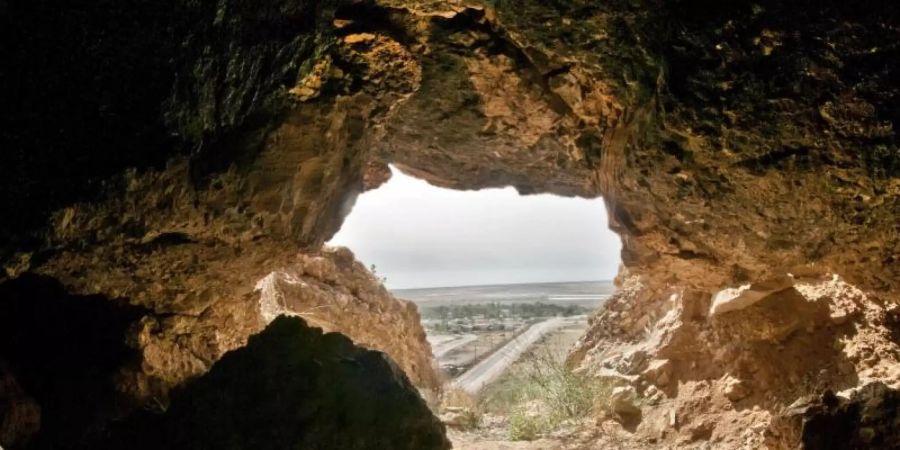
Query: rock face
[[332, 291], [72, 365], [70, 351], [869, 419], [747, 153], [726, 375], [291, 386], [59, 353]]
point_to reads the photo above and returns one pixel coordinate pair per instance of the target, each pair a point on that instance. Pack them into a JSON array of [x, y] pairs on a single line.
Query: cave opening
[[417, 235], [504, 284]]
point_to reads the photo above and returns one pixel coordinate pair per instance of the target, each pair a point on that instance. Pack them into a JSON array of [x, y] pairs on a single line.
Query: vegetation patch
[[492, 316], [541, 395]]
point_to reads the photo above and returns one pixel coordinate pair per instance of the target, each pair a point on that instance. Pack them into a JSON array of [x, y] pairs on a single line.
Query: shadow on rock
[[869, 419], [62, 355], [291, 387]]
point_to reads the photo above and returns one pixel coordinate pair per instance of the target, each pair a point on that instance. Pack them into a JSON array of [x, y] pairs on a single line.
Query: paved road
[[494, 365], [446, 346]]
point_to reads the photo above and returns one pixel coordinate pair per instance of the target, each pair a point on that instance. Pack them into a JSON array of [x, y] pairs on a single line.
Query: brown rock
[[734, 389], [332, 291], [283, 386], [733, 299], [623, 401]]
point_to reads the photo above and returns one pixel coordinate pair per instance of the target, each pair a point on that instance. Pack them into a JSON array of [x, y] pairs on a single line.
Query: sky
[[418, 235]]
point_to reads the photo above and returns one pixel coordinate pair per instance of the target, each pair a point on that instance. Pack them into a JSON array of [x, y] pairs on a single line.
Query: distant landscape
[[444, 314], [585, 293], [468, 324]]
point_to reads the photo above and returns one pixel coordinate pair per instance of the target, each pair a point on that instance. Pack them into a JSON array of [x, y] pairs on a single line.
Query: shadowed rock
[[62, 354], [68, 372], [291, 387], [870, 418]]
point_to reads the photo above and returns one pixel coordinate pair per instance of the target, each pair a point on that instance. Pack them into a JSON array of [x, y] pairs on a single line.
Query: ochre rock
[[332, 291]]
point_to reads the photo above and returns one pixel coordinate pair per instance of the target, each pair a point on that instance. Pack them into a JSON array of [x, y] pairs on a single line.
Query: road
[[444, 346], [490, 368]]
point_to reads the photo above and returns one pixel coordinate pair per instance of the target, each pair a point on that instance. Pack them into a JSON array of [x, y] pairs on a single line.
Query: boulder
[[291, 387]]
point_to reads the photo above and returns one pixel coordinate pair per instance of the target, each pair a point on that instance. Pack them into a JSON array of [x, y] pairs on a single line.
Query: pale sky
[[419, 235]]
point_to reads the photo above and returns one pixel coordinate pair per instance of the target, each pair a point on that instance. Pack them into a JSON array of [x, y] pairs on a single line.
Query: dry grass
[[541, 394], [466, 409]]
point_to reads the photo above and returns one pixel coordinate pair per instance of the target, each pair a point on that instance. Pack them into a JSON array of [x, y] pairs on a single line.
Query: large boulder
[[88, 371], [291, 387], [333, 291]]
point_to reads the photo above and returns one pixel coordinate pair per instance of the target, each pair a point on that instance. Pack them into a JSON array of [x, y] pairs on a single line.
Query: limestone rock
[[308, 389], [623, 401], [659, 372], [735, 389], [733, 299], [770, 353], [870, 418], [333, 291], [89, 360]]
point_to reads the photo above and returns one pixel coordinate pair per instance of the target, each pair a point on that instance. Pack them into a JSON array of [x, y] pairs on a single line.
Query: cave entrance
[[504, 284], [417, 235]]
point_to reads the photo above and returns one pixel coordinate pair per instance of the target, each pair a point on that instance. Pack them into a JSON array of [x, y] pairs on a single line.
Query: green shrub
[[524, 427], [471, 419], [542, 394]]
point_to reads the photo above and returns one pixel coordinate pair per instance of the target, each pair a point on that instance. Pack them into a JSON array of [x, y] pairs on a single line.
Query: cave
[[171, 172]]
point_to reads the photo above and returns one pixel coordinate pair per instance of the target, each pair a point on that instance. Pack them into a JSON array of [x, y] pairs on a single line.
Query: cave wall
[[729, 144], [173, 154], [60, 352]]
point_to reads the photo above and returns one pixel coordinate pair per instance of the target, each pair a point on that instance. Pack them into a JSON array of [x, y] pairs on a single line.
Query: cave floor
[[587, 440]]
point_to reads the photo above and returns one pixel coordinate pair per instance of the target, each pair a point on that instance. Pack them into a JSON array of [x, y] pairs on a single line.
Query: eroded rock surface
[[726, 375], [71, 364], [332, 291]]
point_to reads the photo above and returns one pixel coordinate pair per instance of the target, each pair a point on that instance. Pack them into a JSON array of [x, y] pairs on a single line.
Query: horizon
[[499, 285], [420, 236]]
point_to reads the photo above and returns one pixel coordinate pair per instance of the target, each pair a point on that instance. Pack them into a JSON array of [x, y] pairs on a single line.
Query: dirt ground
[[585, 436], [492, 432]]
